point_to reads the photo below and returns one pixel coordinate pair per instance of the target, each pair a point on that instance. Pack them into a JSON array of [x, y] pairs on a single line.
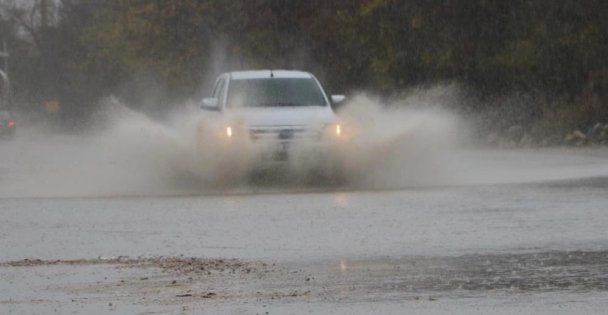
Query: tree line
[[153, 51]]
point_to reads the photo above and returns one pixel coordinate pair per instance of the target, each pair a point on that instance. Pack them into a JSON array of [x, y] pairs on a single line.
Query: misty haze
[[297, 157]]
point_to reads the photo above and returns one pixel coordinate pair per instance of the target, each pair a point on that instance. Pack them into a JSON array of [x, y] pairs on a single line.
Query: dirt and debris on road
[[149, 282], [189, 280], [180, 265]]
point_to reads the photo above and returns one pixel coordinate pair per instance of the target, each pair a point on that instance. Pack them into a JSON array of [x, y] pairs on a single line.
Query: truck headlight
[[336, 131], [229, 131]]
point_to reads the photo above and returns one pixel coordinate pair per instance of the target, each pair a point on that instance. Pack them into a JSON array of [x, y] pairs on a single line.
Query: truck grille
[[287, 133]]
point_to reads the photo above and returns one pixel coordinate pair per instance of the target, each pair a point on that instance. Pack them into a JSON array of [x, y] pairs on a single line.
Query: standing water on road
[[121, 218]]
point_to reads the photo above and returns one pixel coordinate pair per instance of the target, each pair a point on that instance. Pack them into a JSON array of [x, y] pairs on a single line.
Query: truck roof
[[263, 74]]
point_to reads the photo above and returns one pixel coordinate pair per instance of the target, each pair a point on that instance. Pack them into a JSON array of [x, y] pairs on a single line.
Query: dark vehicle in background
[[7, 120], [7, 124]]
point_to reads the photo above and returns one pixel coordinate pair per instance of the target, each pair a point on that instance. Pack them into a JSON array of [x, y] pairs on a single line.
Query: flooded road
[[524, 233]]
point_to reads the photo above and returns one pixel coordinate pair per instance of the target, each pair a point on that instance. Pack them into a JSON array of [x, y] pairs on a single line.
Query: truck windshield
[[269, 92]]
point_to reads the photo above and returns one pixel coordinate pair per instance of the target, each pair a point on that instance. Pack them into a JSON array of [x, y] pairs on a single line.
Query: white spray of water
[[410, 143], [130, 155], [399, 146]]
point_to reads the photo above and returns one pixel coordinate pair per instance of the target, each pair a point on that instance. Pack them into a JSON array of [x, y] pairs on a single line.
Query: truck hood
[[284, 116]]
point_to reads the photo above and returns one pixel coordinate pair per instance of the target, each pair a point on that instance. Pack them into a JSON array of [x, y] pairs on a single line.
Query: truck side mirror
[[337, 99], [210, 104]]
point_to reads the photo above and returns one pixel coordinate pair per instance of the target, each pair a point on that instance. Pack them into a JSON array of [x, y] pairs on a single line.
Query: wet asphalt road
[[538, 246]]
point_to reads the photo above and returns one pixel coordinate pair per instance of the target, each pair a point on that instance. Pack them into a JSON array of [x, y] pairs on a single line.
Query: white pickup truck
[[271, 117]]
